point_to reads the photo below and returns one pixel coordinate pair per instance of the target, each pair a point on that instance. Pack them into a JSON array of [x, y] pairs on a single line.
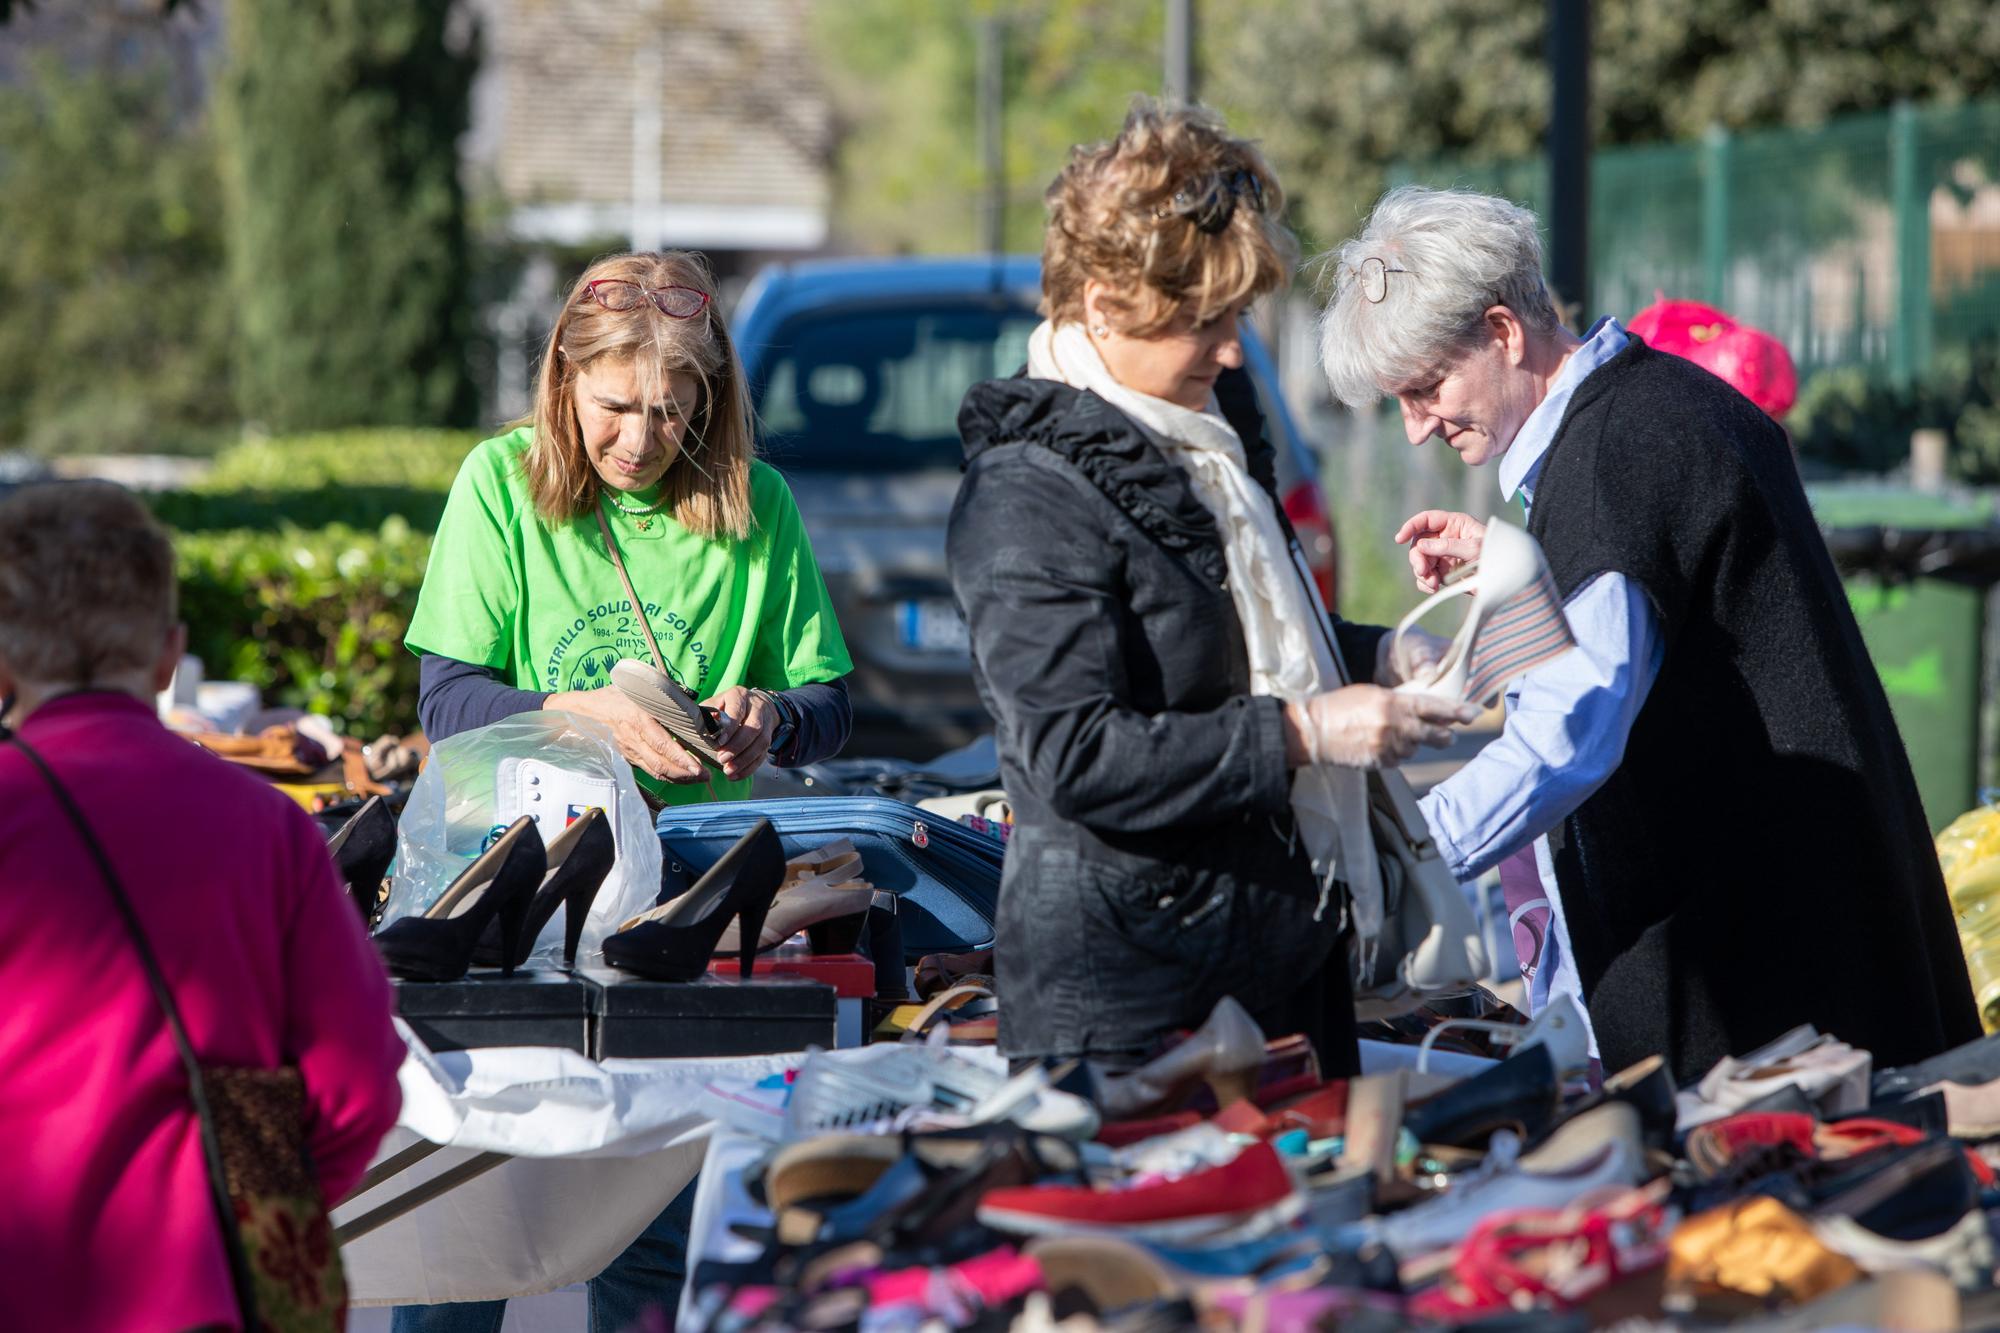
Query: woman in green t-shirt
[[641, 419], [641, 435]]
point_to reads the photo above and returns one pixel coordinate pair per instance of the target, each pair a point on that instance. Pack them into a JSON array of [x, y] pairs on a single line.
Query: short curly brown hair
[[1105, 222]]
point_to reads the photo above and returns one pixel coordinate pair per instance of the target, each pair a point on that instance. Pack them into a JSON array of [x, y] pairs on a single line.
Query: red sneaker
[[1713, 1146], [1250, 1192]]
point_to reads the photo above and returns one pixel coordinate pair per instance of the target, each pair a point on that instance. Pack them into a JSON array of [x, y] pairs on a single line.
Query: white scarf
[[1268, 582]]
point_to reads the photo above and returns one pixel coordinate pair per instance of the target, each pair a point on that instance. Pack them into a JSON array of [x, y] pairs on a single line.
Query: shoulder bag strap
[[638, 607], [211, 1144], [645, 627]]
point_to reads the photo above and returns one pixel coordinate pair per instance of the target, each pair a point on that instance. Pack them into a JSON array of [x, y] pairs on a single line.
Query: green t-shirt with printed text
[[544, 605]]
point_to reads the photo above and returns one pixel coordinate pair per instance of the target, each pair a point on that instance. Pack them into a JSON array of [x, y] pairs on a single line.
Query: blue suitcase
[[946, 877]]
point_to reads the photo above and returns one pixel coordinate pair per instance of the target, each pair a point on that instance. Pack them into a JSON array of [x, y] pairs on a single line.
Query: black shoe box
[[709, 1018], [529, 1008]]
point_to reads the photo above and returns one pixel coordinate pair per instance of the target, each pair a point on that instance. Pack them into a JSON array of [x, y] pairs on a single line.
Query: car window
[[878, 389]]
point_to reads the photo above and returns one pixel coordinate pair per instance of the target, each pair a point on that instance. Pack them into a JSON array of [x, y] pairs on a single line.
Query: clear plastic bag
[[551, 766]]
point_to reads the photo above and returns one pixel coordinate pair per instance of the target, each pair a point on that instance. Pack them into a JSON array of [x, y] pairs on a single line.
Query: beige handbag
[[1430, 945]]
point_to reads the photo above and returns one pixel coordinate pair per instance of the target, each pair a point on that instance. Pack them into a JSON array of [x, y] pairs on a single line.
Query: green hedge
[[1855, 419], [415, 460], [300, 561], [313, 617], [360, 478]]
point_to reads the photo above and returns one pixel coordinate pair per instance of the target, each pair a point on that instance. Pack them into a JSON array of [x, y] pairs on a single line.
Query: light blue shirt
[[1567, 721]]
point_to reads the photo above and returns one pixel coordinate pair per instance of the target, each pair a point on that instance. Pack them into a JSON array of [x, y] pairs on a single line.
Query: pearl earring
[[1098, 331]]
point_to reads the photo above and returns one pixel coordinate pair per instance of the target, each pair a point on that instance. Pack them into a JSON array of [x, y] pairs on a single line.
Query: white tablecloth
[[600, 1149]]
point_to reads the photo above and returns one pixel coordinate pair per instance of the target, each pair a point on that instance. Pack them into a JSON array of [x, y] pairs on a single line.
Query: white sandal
[[1516, 622]]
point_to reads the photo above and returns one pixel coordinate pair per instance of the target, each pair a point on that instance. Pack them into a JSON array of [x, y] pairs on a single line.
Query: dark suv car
[[856, 370]]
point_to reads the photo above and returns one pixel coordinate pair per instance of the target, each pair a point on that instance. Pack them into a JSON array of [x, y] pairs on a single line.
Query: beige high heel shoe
[[823, 895], [1225, 1052]]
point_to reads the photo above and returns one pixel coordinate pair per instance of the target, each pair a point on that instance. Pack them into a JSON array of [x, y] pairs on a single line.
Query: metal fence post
[[1568, 211], [1910, 335], [992, 109], [1715, 164]]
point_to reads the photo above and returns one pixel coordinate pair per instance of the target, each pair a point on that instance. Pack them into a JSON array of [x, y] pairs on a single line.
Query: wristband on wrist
[[788, 721]]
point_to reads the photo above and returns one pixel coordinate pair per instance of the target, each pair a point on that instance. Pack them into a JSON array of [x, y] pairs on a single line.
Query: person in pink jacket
[[107, 1222]]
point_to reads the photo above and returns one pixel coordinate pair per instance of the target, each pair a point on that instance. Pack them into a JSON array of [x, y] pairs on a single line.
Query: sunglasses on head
[[673, 302], [1210, 203]]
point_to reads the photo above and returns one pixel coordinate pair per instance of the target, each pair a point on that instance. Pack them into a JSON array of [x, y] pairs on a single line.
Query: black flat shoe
[[1927, 1114], [1907, 1193], [674, 942], [438, 945], [1976, 1062], [1520, 1093], [362, 849], [579, 859], [1648, 1088]]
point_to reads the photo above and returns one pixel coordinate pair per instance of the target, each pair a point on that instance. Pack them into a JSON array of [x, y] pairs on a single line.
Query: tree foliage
[[348, 245], [1342, 91], [10, 8], [114, 321], [301, 557], [904, 77], [1338, 92]]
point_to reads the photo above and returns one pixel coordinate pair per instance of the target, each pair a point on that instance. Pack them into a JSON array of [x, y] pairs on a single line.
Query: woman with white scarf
[[1177, 736]]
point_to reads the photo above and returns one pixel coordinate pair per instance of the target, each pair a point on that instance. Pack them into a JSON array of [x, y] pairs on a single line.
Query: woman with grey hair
[[1738, 847]]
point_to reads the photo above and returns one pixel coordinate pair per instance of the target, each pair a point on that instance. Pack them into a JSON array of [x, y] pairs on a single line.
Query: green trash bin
[[1920, 569]]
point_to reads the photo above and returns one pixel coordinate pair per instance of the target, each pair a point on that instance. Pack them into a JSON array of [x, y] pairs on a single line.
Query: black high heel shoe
[[438, 945], [579, 859], [362, 849], [673, 942]]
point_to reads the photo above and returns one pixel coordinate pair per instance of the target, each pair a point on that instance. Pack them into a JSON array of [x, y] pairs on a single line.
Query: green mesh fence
[[1871, 241]]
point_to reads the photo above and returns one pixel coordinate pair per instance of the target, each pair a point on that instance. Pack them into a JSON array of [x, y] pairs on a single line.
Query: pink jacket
[[106, 1222]]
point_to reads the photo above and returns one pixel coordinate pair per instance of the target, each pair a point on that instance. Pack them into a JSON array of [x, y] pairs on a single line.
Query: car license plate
[[931, 625]]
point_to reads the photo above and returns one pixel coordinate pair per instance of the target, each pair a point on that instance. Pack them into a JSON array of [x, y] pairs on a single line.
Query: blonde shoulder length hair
[[707, 488]]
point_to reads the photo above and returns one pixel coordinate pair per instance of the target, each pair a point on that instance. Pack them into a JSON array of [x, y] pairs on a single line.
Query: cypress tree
[[340, 122]]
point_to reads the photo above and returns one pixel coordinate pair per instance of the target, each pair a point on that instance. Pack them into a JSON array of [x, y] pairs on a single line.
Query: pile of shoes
[[1223, 1184], [281, 750]]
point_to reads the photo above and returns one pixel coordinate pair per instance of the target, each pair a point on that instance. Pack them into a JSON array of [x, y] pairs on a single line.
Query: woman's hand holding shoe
[[1366, 726], [1442, 541], [646, 745], [749, 719]]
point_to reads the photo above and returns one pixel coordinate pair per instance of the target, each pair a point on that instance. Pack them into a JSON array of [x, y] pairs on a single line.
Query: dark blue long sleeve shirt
[[455, 696]]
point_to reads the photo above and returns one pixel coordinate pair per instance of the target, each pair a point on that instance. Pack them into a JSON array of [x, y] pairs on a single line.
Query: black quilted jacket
[[1152, 867]]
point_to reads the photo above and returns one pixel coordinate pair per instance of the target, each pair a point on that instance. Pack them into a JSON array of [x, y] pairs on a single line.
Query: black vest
[[1760, 858]]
